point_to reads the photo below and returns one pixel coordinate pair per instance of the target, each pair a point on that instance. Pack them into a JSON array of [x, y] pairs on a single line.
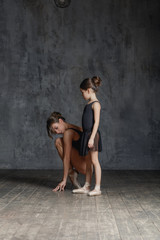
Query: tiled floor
[[128, 209]]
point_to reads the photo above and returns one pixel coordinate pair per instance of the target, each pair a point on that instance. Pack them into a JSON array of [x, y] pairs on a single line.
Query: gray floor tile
[[128, 209]]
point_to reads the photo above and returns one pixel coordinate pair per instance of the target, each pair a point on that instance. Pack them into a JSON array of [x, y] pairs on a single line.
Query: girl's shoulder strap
[[90, 104], [93, 102]]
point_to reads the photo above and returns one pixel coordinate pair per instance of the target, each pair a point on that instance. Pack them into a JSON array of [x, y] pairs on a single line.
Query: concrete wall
[[45, 52]]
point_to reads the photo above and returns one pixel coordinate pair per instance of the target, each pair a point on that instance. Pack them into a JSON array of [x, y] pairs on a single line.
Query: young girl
[[91, 139]]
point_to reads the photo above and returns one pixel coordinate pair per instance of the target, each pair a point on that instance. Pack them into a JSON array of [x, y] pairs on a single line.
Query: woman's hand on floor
[[60, 187]]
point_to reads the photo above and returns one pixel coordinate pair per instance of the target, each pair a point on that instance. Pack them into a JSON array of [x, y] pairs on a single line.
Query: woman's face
[[58, 128]]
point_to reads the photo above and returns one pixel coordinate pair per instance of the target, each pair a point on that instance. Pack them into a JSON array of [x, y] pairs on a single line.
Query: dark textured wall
[[45, 52]]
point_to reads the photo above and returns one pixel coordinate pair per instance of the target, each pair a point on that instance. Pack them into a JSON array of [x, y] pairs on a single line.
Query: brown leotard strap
[[78, 131]]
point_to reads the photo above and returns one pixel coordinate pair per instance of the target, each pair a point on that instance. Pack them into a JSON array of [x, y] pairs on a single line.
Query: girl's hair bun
[[96, 81], [93, 83]]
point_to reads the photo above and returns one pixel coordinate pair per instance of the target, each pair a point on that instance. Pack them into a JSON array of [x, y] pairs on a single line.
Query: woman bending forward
[[68, 149]]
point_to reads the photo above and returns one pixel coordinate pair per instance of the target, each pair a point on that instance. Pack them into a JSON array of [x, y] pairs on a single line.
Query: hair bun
[[96, 81], [56, 114]]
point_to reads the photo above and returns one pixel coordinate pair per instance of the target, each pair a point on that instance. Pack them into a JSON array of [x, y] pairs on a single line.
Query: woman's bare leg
[[81, 164], [59, 147], [71, 173], [76, 161], [89, 171]]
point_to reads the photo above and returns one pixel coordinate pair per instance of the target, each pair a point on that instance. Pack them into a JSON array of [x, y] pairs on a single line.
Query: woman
[[68, 149]]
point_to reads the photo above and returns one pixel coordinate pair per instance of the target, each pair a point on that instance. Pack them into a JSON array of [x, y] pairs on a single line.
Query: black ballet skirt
[[87, 125]]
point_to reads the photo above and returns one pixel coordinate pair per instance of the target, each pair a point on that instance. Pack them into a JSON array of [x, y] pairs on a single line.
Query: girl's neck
[[92, 99]]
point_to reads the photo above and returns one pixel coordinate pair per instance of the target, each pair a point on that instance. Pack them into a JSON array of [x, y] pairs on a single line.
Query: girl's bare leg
[[94, 158], [89, 169], [97, 167]]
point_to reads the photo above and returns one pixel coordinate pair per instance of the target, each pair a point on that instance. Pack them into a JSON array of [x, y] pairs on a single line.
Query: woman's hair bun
[[56, 114], [96, 81]]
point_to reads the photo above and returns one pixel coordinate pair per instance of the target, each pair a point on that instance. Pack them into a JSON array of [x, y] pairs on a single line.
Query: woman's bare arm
[[67, 140]]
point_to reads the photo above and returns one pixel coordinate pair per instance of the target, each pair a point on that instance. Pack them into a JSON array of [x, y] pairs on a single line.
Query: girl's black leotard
[[87, 125]]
